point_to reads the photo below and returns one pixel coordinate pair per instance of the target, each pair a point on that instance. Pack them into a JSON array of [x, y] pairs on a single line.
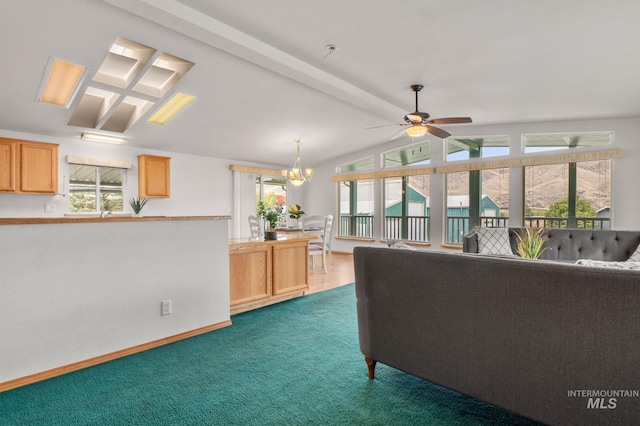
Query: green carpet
[[294, 363]]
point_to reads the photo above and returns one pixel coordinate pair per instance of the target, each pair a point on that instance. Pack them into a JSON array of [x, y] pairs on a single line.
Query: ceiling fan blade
[[438, 132], [401, 133], [450, 120], [385, 125]]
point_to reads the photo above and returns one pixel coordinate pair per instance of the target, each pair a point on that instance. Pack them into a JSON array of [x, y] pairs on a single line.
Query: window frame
[[406, 227], [355, 222], [461, 225], [98, 188], [573, 195]]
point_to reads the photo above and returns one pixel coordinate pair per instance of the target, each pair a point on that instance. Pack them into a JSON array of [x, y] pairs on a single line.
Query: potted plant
[[270, 215], [531, 242], [137, 204], [295, 212]]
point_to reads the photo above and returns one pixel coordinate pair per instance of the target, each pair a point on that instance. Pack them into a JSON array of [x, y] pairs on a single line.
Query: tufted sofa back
[[574, 244]]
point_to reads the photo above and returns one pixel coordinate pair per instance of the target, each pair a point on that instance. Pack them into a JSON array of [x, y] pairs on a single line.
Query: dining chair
[[254, 226], [316, 221], [323, 247]]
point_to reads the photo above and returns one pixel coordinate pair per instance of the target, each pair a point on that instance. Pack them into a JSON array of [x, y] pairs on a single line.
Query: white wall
[[75, 291], [321, 198], [200, 186]]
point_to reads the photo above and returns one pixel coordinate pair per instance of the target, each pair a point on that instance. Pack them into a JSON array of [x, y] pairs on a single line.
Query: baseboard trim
[[58, 371], [341, 253]]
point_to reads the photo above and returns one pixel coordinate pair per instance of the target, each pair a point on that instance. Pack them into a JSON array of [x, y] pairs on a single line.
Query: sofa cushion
[[494, 241], [635, 257]]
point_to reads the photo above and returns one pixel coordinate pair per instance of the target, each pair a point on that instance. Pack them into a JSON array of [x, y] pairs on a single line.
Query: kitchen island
[[266, 272]]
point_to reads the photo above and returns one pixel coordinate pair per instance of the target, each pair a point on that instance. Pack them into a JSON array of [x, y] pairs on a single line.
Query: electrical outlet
[[49, 208], [166, 307]]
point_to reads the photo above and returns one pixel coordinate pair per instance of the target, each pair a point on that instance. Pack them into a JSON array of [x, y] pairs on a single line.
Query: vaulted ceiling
[[263, 76]]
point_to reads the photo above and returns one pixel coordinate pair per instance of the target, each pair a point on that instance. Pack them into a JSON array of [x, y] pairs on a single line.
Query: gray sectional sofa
[[548, 340], [569, 245]]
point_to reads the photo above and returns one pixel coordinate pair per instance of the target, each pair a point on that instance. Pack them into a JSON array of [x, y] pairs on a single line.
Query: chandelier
[[295, 175]]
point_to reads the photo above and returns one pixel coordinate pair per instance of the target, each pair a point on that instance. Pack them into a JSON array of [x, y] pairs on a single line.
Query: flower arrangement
[[531, 242], [269, 214], [295, 211]]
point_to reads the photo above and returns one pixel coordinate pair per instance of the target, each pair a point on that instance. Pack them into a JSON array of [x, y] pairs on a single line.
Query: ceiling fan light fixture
[[416, 131], [412, 118]]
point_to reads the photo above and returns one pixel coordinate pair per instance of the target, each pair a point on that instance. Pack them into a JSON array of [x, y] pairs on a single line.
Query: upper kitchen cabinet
[[28, 167], [154, 178]]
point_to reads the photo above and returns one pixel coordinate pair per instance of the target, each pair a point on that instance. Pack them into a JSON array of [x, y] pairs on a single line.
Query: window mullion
[[98, 191], [573, 198]]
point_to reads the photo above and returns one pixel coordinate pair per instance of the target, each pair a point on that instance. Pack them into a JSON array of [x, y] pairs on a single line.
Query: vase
[[270, 235]]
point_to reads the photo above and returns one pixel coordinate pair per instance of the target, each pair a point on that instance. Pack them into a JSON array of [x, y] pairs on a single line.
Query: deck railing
[[563, 222], [359, 226], [458, 226], [417, 228]]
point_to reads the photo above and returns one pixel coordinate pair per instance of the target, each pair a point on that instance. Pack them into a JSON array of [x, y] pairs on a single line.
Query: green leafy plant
[[270, 214], [531, 242], [137, 204], [295, 211]]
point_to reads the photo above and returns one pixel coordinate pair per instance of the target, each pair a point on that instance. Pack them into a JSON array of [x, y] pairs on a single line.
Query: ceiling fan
[[418, 124]]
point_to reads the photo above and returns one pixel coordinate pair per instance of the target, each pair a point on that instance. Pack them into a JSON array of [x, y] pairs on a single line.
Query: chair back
[[316, 221], [326, 235], [254, 226]]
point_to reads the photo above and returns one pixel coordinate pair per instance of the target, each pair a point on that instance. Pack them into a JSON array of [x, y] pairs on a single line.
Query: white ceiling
[[262, 78]]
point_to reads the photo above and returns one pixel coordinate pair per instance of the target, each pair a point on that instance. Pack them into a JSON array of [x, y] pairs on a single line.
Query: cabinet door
[[154, 176], [7, 166], [249, 273], [38, 168], [290, 266]]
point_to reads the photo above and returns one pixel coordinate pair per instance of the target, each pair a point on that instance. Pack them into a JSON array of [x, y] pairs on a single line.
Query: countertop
[[98, 219], [282, 238]]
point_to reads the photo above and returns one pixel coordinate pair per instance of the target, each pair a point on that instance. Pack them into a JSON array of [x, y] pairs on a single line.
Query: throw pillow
[[400, 245], [635, 257], [494, 241]]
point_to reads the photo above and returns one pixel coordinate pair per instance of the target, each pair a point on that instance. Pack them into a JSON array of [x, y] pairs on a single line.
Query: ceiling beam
[[178, 17]]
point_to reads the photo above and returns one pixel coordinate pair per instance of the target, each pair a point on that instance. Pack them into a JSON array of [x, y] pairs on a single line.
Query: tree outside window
[[571, 195], [90, 183]]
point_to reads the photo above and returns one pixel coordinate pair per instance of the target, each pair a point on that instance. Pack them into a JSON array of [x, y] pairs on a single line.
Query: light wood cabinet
[[8, 164], [250, 271], [28, 167], [266, 272], [290, 263], [154, 176]]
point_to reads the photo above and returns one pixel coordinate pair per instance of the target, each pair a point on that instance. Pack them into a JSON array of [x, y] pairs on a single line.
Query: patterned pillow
[[494, 241], [635, 257]]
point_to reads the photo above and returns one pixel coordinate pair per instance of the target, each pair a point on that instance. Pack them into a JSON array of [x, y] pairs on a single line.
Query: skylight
[[130, 82]]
